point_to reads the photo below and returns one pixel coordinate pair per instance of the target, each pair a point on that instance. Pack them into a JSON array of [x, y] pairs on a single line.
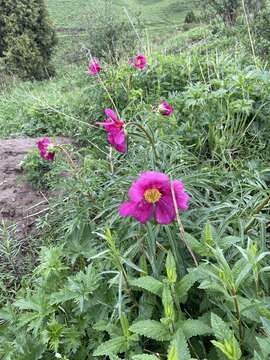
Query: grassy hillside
[[158, 16], [161, 20]]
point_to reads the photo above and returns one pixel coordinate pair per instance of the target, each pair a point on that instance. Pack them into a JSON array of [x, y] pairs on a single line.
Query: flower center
[[152, 196], [139, 61]]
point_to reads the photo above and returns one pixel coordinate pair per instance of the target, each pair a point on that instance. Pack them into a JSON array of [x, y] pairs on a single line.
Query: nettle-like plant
[[214, 309], [135, 279]]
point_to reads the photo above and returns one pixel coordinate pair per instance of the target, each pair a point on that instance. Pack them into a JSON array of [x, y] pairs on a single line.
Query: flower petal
[[148, 180], [141, 211], [111, 114], [165, 212], [140, 61], [43, 146], [122, 148], [49, 156], [181, 196], [119, 136], [94, 67], [165, 109]]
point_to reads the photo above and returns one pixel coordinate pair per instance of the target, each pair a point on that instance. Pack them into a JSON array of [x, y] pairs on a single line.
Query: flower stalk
[[181, 228], [238, 314], [69, 158], [148, 136]]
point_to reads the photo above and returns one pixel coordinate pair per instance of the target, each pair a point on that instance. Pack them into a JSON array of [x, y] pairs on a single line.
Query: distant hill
[[158, 16]]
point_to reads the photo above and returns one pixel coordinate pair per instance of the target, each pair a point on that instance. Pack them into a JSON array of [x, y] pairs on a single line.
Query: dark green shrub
[[43, 120], [190, 18], [27, 38], [227, 10], [37, 170], [110, 35], [43, 174], [261, 31]]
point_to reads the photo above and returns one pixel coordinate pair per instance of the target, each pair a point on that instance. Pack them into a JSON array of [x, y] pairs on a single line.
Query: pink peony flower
[[94, 67], [46, 149], [115, 131], [139, 62], [165, 109], [151, 195]]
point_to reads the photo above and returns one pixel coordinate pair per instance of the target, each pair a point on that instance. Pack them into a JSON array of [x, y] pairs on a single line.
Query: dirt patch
[[20, 204]]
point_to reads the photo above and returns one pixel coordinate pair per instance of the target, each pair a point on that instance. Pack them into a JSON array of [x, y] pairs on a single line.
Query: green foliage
[[45, 121], [147, 283], [225, 9], [261, 32], [113, 346], [195, 327], [144, 357], [151, 329], [27, 38], [37, 170], [228, 10], [178, 348], [190, 17], [43, 174], [109, 34]]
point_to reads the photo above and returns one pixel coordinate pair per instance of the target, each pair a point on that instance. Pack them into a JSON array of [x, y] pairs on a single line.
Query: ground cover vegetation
[[159, 247]]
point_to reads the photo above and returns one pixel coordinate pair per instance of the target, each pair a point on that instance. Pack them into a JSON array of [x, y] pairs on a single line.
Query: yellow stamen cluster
[[152, 195]]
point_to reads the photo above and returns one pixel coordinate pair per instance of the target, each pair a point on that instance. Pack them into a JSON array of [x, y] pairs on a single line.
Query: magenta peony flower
[[165, 109], [139, 62], [46, 149], [151, 195], [115, 131], [94, 67]]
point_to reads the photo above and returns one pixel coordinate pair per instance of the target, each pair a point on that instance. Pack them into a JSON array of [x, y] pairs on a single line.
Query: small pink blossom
[[139, 62], [151, 195], [115, 131], [165, 109], [46, 149], [94, 67]]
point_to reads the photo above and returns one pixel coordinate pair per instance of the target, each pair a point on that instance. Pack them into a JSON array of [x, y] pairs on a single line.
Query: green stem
[[151, 249], [105, 88], [181, 228], [70, 160], [257, 280], [177, 305], [111, 160], [249, 32], [148, 136], [238, 314]]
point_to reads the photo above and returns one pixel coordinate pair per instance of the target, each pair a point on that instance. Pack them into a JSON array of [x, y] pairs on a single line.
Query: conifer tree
[[27, 38]]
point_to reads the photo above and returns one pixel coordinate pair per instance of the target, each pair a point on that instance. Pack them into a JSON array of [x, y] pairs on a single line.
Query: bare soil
[[20, 204]]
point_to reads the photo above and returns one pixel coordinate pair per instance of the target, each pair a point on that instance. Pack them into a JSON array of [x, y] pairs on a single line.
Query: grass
[[158, 16], [23, 106], [159, 19]]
